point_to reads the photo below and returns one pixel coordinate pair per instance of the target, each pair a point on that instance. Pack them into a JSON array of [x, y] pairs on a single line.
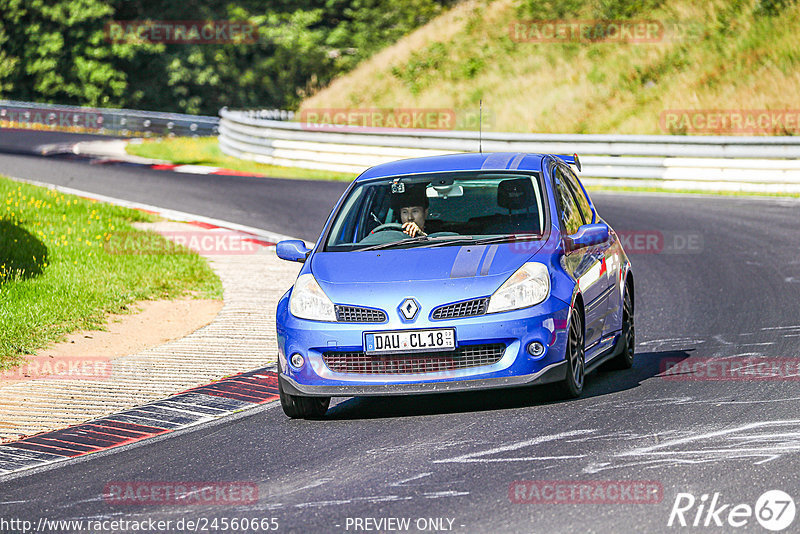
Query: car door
[[586, 264], [610, 256]]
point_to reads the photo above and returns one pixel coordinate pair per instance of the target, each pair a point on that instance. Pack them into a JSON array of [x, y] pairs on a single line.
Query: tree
[[60, 51]]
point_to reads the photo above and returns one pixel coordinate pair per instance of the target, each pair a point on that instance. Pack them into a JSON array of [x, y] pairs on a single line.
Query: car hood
[[422, 264], [433, 276]]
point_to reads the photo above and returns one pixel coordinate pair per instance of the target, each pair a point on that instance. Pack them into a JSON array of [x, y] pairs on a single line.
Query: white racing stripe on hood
[[467, 261], [487, 262]]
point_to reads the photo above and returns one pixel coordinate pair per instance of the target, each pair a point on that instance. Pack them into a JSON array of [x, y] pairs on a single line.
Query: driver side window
[[571, 218], [568, 177]]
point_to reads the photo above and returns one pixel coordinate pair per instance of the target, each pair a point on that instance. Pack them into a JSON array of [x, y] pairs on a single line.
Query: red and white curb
[[202, 169], [114, 151], [183, 410]]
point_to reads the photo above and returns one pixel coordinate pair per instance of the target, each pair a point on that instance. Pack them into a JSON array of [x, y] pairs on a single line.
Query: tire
[[572, 385], [626, 346], [298, 407]]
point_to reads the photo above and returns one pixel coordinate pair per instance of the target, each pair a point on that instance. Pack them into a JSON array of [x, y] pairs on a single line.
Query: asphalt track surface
[[733, 293], [21, 141]]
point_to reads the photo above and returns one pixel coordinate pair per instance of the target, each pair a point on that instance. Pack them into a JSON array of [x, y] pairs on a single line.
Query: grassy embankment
[[714, 55], [57, 275]]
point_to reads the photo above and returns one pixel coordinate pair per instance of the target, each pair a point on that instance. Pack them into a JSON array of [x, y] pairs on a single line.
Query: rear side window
[[566, 176]]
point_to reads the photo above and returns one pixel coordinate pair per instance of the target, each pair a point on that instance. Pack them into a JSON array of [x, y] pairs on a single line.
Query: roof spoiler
[[571, 160]]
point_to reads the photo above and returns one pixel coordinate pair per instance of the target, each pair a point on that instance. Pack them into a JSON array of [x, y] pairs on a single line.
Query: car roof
[[471, 161]]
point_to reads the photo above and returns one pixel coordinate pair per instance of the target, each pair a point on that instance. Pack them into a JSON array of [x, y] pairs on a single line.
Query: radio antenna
[[480, 126]]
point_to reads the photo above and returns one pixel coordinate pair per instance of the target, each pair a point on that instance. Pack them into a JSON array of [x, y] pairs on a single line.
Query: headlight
[[529, 285], [309, 301]]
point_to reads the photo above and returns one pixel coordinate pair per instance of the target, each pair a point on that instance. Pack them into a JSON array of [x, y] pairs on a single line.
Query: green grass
[[205, 151], [692, 191], [57, 275]]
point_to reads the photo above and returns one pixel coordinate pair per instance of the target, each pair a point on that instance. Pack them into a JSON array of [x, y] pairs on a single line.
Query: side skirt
[[605, 355]]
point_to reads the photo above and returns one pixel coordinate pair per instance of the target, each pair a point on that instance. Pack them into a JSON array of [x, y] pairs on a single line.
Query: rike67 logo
[[774, 510]]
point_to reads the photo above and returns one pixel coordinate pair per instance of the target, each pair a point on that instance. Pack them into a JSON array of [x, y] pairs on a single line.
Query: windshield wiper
[[412, 241], [440, 241], [491, 240]]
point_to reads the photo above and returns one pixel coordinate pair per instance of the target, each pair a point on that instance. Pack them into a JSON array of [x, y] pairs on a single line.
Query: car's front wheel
[[298, 407], [572, 385]]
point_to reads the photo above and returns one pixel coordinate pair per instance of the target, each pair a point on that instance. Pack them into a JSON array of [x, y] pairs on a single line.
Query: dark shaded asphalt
[[21, 141], [455, 456]]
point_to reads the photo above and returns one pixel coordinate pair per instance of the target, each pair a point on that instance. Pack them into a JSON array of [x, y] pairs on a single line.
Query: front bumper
[[553, 373], [546, 323]]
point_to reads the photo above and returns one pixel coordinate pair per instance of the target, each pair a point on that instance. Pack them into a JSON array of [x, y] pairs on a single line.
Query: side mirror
[[292, 250], [588, 235]]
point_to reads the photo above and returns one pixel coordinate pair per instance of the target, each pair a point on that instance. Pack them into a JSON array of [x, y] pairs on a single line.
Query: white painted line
[[476, 456], [440, 494], [642, 451], [661, 194], [315, 484], [321, 503], [381, 498], [415, 477]]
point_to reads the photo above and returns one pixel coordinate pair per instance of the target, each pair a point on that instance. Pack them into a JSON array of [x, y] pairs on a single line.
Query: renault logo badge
[[409, 309]]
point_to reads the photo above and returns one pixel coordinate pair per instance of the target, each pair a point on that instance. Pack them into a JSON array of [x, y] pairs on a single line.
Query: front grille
[[468, 308], [357, 314], [419, 362]]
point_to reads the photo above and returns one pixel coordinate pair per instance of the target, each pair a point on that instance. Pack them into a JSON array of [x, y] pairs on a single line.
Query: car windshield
[[439, 209]]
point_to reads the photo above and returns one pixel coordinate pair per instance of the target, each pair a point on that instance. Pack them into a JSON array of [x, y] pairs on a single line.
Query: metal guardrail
[[107, 121], [268, 114], [760, 164]]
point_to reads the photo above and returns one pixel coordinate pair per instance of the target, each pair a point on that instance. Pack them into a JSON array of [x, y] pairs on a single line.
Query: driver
[[413, 207]]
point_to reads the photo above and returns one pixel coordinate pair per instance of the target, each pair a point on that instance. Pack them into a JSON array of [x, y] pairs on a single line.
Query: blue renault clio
[[455, 273]]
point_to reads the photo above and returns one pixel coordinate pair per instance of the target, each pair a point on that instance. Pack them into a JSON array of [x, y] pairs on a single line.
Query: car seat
[[516, 195]]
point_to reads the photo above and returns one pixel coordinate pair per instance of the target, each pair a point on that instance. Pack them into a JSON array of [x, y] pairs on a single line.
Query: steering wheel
[[388, 226]]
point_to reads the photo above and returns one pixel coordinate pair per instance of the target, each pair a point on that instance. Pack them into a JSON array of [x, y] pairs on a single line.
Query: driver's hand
[[412, 229]]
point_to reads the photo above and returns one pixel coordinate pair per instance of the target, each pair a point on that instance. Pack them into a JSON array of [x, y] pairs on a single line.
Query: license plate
[[409, 341]]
